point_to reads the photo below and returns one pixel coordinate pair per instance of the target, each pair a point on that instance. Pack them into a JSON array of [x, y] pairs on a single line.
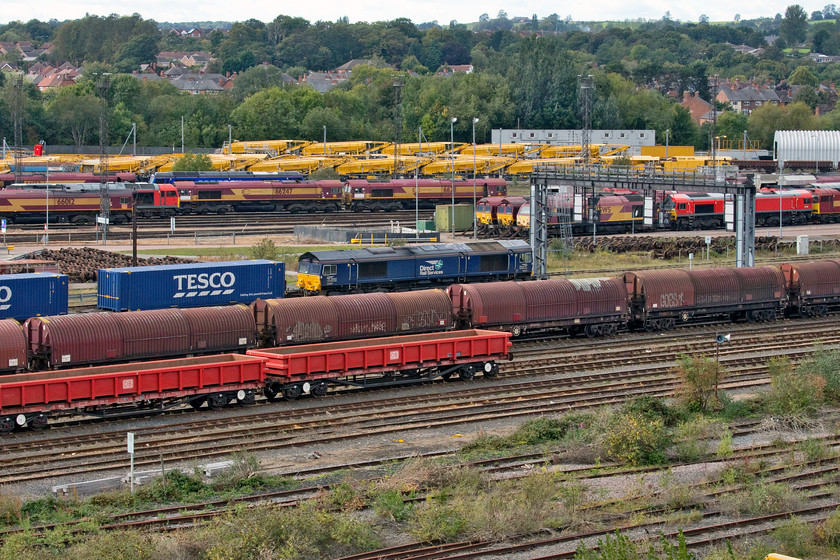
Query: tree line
[[525, 76]]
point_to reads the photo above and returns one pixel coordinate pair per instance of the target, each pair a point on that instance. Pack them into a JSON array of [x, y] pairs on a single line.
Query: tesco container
[[189, 285], [32, 295]]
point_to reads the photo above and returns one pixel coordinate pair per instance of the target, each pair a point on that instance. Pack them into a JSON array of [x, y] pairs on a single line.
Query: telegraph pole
[[104, 196]]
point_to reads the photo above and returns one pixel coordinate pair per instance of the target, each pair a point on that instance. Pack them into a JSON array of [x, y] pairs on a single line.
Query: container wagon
[[189, 285], [380, 362], [26, 400]]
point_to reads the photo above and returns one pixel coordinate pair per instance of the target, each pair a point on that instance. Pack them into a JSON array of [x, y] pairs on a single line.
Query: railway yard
[[519, 465]]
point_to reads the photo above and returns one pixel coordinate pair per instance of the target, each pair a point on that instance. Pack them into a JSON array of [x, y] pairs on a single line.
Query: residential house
[[745, 98], [323, 81], [449, 70], [201, 83], [701, 110], [822, 58]]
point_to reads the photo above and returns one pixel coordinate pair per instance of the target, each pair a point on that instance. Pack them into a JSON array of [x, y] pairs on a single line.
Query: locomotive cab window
[[144, 198], [681, 206], [336, 190], [330, 270], [525, 257]]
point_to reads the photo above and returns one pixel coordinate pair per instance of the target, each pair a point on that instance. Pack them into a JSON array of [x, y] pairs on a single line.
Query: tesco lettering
[[203, 281], [5, 294]]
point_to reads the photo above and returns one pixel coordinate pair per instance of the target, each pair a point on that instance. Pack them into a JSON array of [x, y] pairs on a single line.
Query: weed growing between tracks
[[449, 500]]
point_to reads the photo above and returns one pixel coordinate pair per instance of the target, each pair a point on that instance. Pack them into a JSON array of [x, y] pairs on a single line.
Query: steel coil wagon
[[594, 306], [813, 288], [660, 299]]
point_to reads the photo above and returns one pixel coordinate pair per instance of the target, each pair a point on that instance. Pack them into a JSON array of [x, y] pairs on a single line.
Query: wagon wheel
[[196, 403], [291, 392], [217, 401], [38, 423], [244, 398], [447, 376], [318, 389], [7, 424], [490, 370], [467, 373], [270, 393]]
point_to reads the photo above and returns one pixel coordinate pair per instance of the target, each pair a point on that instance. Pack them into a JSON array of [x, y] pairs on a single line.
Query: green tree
[[803, 76], [193, 162], [255, 79], [732, 125], [77, 116], [764, 122], [138, 50], [794, 25]]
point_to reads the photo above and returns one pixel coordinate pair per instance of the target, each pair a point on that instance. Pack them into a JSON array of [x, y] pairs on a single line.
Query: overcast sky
[[416, 10]]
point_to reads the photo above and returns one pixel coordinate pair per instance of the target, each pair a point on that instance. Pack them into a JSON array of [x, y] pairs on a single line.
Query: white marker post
[[129, 438]]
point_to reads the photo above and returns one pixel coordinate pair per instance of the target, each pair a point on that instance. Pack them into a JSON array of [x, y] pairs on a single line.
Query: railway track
[[543, 384], [192, 226]]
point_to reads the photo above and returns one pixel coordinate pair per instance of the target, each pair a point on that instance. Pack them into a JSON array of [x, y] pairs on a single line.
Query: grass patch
[[762, 499], [532, 433]]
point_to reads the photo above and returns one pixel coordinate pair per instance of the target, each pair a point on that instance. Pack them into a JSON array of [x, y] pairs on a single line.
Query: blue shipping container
[[32, 295], [189, 285]]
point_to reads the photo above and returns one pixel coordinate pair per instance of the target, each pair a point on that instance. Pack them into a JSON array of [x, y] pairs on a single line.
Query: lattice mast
[[104, 198], [17, 109], [586, 87]]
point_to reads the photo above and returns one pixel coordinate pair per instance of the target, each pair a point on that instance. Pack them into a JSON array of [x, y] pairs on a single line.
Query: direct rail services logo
[[432, 268]]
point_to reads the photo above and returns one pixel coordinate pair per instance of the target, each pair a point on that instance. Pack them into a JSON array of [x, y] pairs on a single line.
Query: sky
[[418, 11]]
